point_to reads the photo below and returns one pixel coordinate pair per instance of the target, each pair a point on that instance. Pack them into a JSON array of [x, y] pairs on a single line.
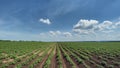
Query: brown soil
[[93, 62], [22, 60], [32, 61], [67, 64], [40, 65], [78, 65], [92, 65], [4, 54], [38, 53], [7, 61], [63, 61], [26, 54], [87, 62], [53, 61]]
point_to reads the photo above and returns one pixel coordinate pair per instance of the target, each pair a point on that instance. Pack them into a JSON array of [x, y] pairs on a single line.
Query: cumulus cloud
[[67, 34], [117, 24], [91, 26], [104, 25], [85, 27], [54, 33], [46, 21], [85, 24], [59, 33], [88, 30], [82, 32]]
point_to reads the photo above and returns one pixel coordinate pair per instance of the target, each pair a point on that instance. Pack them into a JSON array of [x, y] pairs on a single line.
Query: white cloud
[[54, 33], [93, 26], [104, 25], [59, 33], [107, 24], [85, 27], [86, 30], [57, 36], [85, 24], [67, 34], [117, 24], [82, 32], [46, 21], [107, 31]]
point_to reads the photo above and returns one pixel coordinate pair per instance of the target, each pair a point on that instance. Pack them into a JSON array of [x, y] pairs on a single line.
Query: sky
[[60, 20]]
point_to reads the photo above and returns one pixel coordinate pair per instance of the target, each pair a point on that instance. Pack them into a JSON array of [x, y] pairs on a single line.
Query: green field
[[24, 54]]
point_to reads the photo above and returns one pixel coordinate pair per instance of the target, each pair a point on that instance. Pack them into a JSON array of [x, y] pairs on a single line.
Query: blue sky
[[60, 20]]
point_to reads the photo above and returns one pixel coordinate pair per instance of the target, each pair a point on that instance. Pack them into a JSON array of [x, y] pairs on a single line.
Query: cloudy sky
[[60, 20]]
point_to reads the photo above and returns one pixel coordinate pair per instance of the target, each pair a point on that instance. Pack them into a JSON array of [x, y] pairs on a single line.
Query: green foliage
[[103, 63], [80, 51], [19, 50], [104, 51]]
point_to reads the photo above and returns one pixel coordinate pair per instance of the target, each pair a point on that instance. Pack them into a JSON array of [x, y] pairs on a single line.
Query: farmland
[[59, 54]]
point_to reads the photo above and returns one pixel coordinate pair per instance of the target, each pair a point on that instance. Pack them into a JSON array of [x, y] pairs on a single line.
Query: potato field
[[24, 54]]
